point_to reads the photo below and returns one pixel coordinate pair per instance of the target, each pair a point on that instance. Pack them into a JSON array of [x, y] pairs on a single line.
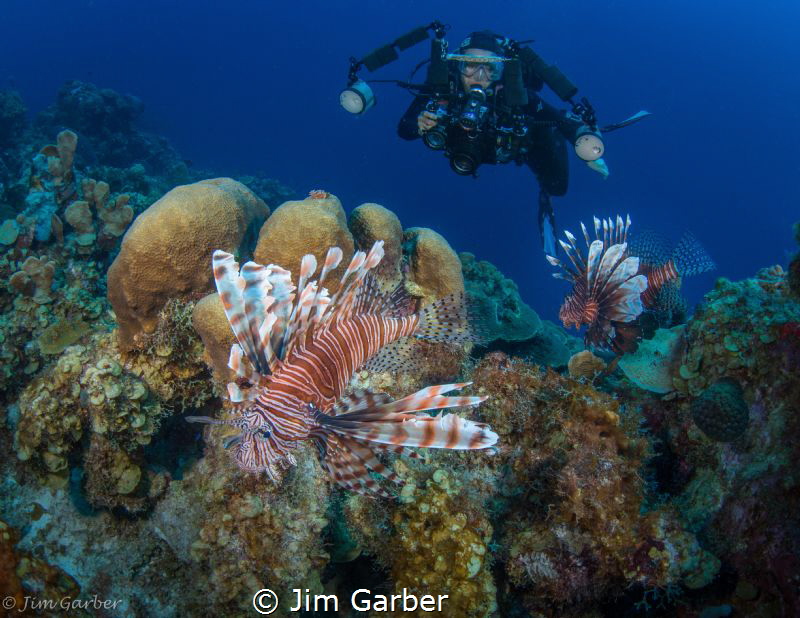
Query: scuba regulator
[[467, 130]]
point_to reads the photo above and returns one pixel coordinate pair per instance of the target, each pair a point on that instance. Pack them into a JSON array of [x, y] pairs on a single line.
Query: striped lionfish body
[[296, 353], [606, 285], [612, 287], [665, 266]]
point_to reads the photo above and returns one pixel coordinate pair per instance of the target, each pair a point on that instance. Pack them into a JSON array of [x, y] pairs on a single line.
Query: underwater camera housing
[[473, 114], [458, 130], [461, 131], [465, 155]]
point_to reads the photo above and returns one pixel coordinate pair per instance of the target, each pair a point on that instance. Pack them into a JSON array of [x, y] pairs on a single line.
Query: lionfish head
[[577, 310], [256, 446]]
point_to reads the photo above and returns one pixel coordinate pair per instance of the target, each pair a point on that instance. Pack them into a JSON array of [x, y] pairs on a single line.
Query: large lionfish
[[611, 287], [296, 354]]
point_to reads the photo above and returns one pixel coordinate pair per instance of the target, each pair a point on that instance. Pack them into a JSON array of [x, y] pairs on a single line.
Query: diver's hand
[[426, 121]]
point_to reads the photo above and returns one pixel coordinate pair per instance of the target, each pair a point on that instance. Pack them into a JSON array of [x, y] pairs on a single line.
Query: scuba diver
[[481, 105]]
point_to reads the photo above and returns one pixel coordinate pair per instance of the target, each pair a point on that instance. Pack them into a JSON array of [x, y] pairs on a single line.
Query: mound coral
[[307, 226], [434, 268], [584, 364], [167, 250], [370, 222]]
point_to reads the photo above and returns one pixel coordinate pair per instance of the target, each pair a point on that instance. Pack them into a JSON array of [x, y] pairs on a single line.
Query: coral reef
[[307, 226], [505, 315], [656, 361], [35, 280], [584, 364], [91, 390], [740, 330], [107, 120], [24, 575], [720, 411], [794, 265], [274, 533], [370, 222], [570, 495], [434, 268], [12, 117], [741, 362], [443, 546], [167, 251], [52, 183], [607, 494]]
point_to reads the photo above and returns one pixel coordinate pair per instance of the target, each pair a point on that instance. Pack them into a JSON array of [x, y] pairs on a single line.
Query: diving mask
[[472, 66]]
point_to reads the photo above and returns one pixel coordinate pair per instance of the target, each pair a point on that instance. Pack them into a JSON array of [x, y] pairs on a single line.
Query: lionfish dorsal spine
[[332, 260], [308, 264], [344, 300], [585, 235], [592, 262], [242, 297]]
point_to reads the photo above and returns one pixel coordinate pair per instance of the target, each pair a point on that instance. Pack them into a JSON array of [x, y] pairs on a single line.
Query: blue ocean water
[[245, 87]]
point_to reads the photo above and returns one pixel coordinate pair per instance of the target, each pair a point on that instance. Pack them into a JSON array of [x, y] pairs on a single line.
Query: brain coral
[[166, 253], [721, 411], [311, 225], [371, 222], [434, 267]]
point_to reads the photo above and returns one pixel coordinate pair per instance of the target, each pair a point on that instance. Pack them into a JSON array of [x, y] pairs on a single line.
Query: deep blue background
[[253, 86]]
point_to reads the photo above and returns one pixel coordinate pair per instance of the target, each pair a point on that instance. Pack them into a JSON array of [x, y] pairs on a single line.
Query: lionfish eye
[[264, 433]]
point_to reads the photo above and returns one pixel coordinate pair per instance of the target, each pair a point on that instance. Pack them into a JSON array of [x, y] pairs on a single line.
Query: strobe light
[[357, 98]]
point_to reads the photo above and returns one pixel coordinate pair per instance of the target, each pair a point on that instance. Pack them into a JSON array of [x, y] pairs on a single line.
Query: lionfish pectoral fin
[[348, 463], [398, 423], [231, 441]]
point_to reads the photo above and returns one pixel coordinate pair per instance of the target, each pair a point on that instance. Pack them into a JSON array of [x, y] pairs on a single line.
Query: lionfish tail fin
[[690, 257], [452, 319]]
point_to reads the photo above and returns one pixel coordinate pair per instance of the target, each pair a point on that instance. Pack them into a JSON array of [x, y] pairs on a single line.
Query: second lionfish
[[611, 286], [296, 353]]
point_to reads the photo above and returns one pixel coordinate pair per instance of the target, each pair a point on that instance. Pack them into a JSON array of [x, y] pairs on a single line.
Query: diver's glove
[[599, 166]]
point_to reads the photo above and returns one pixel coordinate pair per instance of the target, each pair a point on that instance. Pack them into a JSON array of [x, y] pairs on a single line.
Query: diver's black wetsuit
[[547, 148]]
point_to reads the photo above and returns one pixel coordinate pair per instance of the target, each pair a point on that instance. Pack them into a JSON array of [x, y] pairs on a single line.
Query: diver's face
[[481, 76]]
